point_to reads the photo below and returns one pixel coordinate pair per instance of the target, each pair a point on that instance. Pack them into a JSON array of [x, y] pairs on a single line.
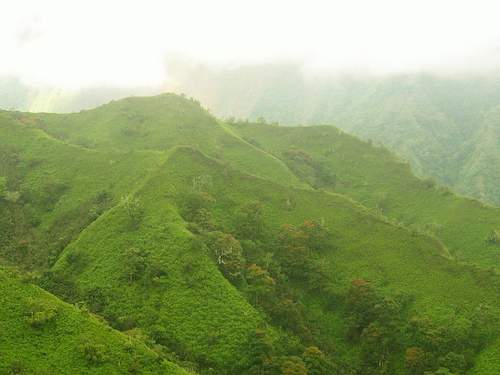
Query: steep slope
[[363, 246], [236, 253], [53, 189], [137, 265], [481, 171], [373, 176], [159, 123], [55, 177], [432, 121], [43, 335]]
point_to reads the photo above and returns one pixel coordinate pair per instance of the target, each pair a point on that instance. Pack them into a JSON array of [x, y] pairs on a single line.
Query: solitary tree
[[227, 252]]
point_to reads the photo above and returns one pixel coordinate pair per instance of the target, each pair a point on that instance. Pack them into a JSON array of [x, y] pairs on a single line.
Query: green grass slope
[[437, 123], [43, 335], [365, 245], [488, 361], [136, 208], [53, 189], [159, 123], [374, 177], [400, 261], [156, 276]]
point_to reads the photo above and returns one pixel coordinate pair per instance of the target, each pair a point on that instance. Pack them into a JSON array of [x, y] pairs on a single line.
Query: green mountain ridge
[[239, 247], [435, 122]]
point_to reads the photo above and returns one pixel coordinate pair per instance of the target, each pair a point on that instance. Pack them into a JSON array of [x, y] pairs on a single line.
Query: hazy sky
[[75, 43]]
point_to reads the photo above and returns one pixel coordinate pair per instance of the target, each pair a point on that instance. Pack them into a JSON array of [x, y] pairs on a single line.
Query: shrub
[[203, 220], [202, 183], [227, 252], [195, 201], [415, 360], [260, 283], [12, 196], [453, 361], [429, 183], [96, 299], [100, 203], [16, 367], [293, 366], [60, 283], [156, 272], [52, 192], [93, 353], [135, 263], [298, 246], [125, 323], [366, 306], [494, 237], [316, 362], [77, 259], [261, 348], [40, 313], [134, 209]]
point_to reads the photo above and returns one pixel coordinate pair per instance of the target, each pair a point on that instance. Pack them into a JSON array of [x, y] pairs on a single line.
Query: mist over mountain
[[255, 187], [446, 126], [15, 94]]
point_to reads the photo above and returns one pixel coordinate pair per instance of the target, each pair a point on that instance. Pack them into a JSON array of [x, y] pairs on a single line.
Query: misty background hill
[[446, 127]]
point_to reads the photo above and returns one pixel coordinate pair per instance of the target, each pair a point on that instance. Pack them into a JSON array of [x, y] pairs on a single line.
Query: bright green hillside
[[43, 335], [336, 161], [56, 189], [159, 123], [400, 261], [247, 249], [156, 276]]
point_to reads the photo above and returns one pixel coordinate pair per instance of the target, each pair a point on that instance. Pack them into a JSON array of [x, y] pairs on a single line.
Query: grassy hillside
[[236, 248], [399, 261], [153, 274], [53, 190], [363, 245], [139, 267], [43, 335], [338, 162], [435, 122], [159, 123]]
